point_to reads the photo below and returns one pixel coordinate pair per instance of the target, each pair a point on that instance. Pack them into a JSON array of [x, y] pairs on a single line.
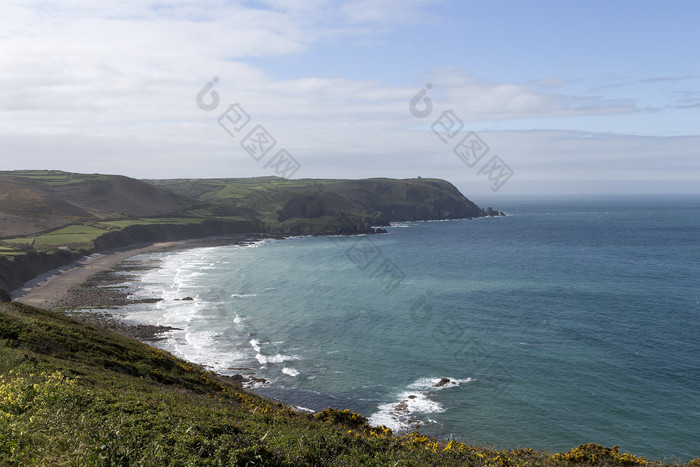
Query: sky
[[499, 97]]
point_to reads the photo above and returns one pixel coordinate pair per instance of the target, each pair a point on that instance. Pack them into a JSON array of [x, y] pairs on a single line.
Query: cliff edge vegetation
[[74, 394]]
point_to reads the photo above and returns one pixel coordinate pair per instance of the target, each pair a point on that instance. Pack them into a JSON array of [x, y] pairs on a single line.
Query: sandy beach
[[58, 289], [48, 290], [53, 286]]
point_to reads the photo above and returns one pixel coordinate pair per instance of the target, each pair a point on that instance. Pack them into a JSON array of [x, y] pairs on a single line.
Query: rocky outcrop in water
[[490, 212]]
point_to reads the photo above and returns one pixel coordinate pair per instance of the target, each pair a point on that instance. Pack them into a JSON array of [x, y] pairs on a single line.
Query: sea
[[568, 321]]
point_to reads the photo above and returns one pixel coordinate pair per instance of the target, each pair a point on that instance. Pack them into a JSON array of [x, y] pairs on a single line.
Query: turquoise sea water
[[565, 322]]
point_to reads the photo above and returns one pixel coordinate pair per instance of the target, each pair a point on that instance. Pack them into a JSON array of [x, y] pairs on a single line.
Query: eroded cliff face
[[138, 234], [15, 272], [380, 201], [22, 268]]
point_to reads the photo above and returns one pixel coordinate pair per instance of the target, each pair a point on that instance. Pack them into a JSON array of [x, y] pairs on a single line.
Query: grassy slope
[[278, 201], [74, 394], [95, 196], [45, 210], [82, 236]]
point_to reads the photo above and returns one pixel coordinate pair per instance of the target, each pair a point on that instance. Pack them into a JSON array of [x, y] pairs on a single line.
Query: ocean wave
[[435, 384], [416, 400], [201, 339], [290, 371], [264, 359], [442, 220], [299, 408], [279, 358], [256, 243], [204, 348]]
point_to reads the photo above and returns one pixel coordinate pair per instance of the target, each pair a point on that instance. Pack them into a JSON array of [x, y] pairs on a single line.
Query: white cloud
[[110, 87], [475, 100]]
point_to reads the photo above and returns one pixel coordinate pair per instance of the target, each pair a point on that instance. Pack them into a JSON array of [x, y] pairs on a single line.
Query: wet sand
[[54, 286], [48, 290]]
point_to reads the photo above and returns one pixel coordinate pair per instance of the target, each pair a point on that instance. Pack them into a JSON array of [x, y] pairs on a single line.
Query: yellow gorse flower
[[19, 394]]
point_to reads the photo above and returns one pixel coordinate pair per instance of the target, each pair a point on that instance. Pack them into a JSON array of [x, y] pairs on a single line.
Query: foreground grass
[[72, 394]]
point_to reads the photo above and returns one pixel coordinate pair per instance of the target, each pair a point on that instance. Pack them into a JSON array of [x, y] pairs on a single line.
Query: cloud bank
[[110, 87]]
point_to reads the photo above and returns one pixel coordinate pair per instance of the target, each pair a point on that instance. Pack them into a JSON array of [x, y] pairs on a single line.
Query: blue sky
[[573, 97]]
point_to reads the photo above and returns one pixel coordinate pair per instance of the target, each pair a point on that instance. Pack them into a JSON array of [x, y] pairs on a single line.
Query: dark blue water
[[566, 322]]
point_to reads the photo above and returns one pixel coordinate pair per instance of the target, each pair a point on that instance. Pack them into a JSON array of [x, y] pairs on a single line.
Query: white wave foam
[[386, 417], [417, 402], [399, 416], [435, 384], [290, 371], [201, 339], [279, 358], [201, 335], [244, 295], [256, 384], [299, 408], [202, 347], [254, 243]]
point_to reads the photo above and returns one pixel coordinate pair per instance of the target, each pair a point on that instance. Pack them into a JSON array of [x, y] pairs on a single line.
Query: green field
[[123, 223], [82, 236], [9, 251], [224, 189], [55, 177], [74, 236]]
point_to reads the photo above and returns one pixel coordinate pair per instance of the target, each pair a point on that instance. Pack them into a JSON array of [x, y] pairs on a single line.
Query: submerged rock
[[442, 382], [402, 407]]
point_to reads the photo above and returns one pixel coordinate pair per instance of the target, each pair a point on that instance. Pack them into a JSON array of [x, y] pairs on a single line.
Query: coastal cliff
[[50, 218], [284, 205]]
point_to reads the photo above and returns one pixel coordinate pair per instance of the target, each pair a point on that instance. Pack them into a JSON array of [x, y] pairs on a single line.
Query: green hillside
[[73, 394], [49, 218], [57, 196], [318, 203], [44, 210]]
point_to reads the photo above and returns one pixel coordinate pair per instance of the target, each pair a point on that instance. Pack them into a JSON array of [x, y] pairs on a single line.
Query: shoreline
[[47, 290], [92, 290]]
